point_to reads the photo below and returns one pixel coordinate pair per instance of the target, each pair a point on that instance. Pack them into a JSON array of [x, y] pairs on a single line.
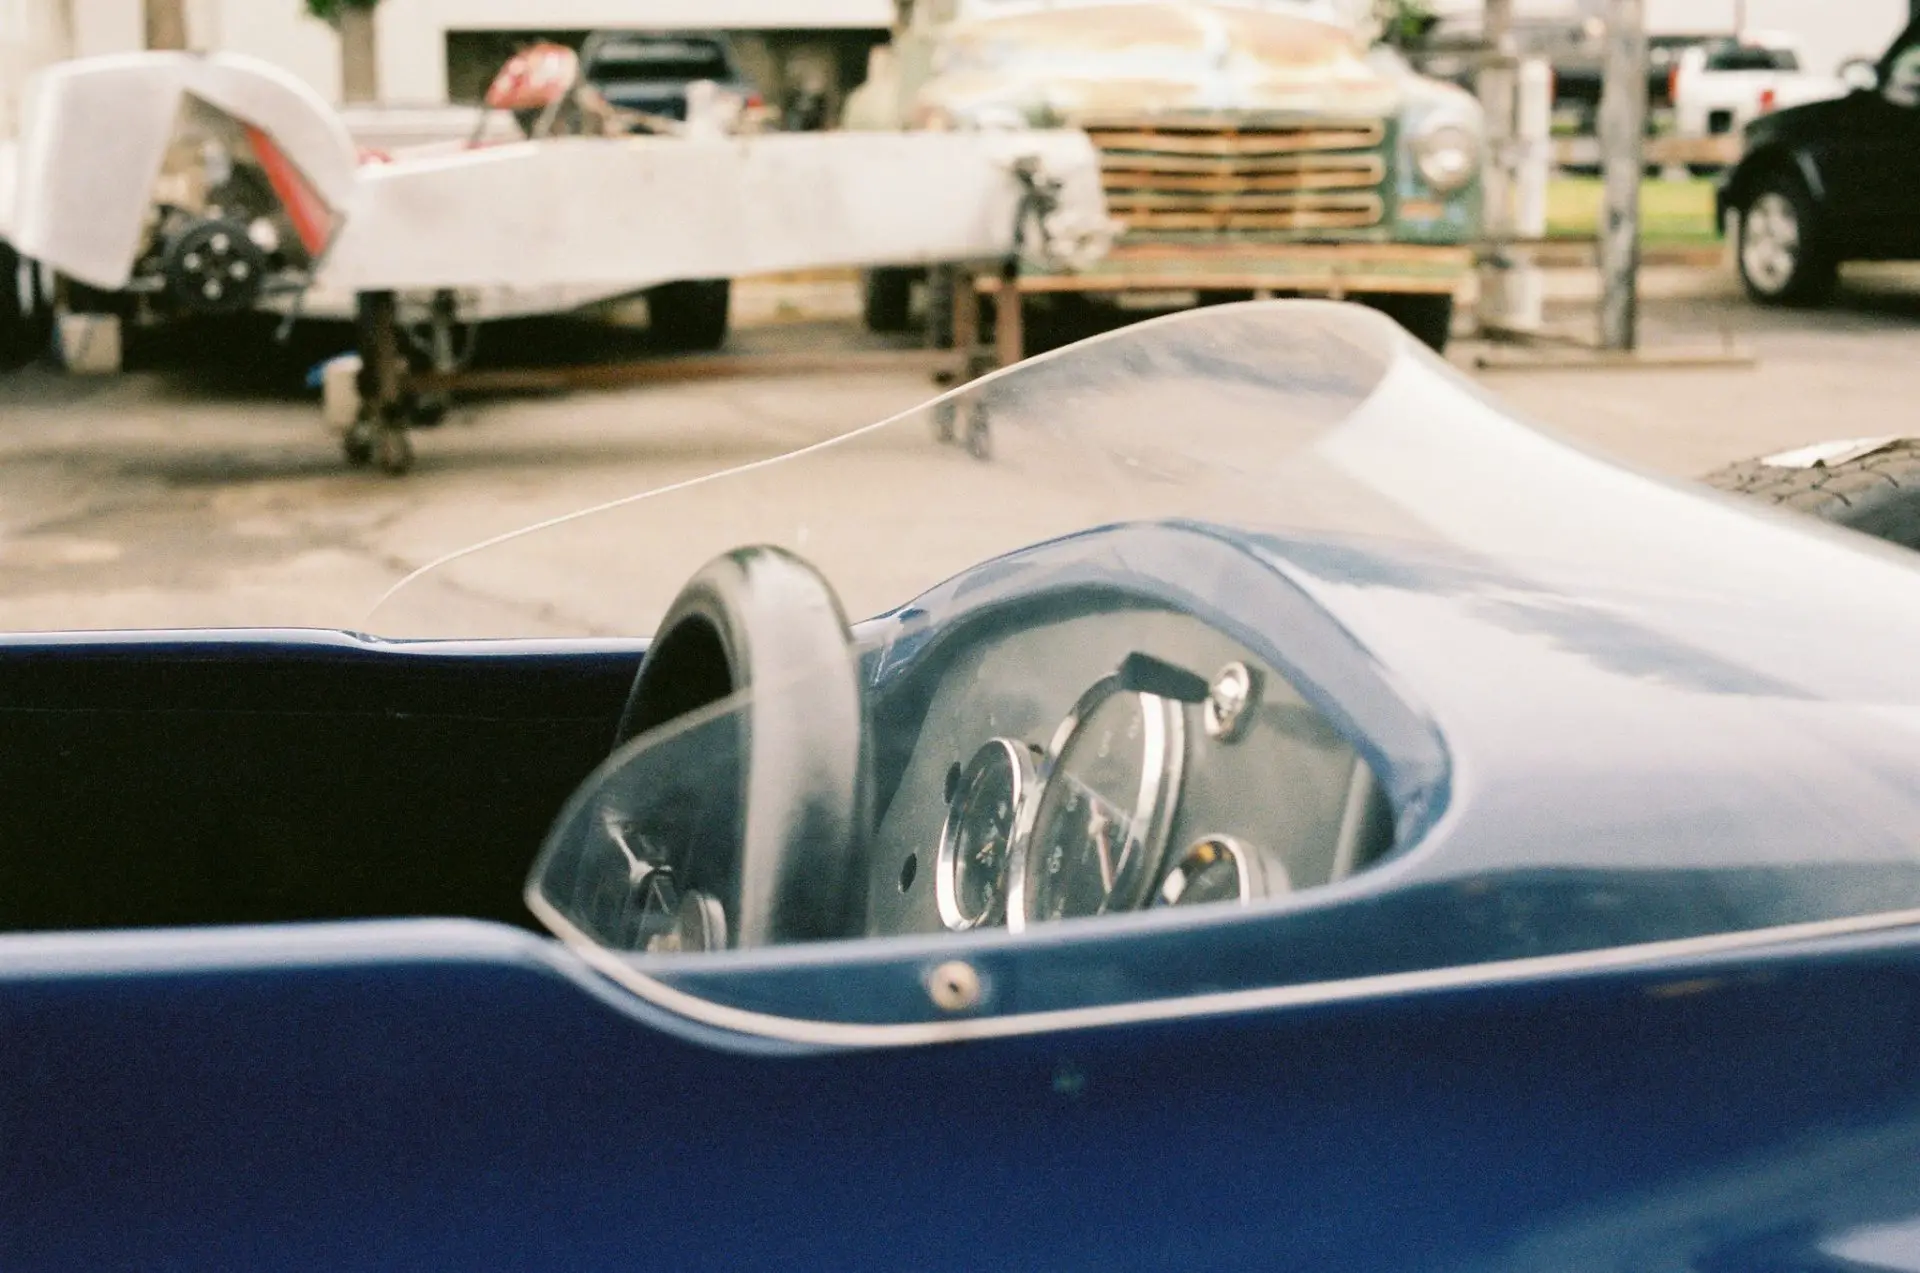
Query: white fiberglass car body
[[132, 167]]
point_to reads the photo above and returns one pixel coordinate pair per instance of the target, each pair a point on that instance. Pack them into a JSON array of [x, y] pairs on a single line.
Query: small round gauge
[[1214, 870], [977, 843], [1099, 827]]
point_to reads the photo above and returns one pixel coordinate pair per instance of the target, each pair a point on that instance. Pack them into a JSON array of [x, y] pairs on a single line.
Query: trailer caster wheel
[[358, 445], [393, 451], [427, 410]]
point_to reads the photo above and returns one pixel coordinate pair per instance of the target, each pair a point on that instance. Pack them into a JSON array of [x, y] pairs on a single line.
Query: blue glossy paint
[[458, 1096], [1571, 772], [1598, 753]]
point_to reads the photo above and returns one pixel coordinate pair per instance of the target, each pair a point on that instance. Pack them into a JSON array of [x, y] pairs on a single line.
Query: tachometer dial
[[1099, 828], [977, 844]]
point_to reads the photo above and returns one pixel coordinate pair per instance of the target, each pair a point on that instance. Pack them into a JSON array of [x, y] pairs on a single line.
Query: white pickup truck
[[1723, 85]]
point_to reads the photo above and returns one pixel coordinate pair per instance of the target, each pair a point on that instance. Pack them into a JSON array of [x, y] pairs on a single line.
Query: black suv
[[1830, 182]]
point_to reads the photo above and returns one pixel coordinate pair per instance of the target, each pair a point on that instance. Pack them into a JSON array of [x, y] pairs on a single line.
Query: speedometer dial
[[970, 885], [1099, 829]]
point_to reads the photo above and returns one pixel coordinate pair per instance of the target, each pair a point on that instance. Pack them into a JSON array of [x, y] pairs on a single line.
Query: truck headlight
[[1448, 156]]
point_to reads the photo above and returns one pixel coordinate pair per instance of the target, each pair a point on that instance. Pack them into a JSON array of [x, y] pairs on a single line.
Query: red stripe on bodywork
[[312, 219]]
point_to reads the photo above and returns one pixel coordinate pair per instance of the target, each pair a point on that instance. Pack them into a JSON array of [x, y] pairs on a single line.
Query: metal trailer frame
[[555, 230], [381, 434]]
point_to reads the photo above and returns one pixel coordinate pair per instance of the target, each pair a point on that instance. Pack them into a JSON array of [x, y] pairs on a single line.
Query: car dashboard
[[1109, 757]]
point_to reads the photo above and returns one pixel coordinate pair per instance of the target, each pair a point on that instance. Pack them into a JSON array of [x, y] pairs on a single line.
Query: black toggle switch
[[1144, 674]]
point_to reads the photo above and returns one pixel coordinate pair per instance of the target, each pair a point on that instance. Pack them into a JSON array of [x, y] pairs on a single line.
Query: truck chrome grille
[[1215, 175]]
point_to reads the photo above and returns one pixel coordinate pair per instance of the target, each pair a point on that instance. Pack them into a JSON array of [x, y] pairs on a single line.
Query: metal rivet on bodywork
[[954, 986]]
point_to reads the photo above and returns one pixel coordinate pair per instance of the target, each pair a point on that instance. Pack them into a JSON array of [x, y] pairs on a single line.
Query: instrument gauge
[[1099, 825], [977, 843], [1215, 870]]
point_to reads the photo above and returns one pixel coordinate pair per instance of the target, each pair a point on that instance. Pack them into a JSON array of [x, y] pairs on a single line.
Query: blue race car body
[[1576, 923]]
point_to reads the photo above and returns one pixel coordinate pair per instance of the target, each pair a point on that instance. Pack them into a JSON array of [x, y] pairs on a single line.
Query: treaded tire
[[1877, 495], [888, 306], [26, 314], [1815, 273], [691, 317]]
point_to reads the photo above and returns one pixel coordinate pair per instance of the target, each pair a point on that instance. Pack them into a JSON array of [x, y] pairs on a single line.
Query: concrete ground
[[192, 491]]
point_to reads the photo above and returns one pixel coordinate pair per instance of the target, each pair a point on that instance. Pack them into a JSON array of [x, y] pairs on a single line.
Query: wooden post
[[1009, 320], [1496, 82], [359, 55], [1623, 142], [381, 366], [166, 24], [1496, 37], [966, 317]]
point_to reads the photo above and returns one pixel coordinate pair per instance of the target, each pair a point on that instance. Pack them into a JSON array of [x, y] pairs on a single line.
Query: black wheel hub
[[212, 267]]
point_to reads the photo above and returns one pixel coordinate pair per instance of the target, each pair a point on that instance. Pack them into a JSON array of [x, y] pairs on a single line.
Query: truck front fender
[[1739, 186]]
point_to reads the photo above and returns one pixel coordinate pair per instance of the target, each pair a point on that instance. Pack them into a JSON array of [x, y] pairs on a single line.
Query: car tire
[[26, 311], [1779, 253], [1428, 318], [691, 316], [1877, 494], [888, 306]]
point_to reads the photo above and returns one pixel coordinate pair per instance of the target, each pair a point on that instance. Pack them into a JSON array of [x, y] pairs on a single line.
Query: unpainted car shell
[[531, 226]]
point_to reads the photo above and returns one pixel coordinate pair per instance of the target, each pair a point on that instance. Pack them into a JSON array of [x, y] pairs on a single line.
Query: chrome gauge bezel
[[1162, 766], [1017, 759], [1231, 701], [1251, 875]]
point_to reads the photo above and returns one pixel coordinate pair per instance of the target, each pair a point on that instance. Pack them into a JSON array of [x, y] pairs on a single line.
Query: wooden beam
[[1009, 326], [1309, 283], [1721, 151], [1623, 138], [661, 370], [966, 314], [1498, 87], [1561, 357]]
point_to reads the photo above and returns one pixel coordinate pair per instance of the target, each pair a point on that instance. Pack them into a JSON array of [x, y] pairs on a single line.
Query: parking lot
[[202, 488]]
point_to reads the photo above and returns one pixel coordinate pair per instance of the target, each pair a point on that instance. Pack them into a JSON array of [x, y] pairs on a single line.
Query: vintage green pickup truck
[[1250, 147]]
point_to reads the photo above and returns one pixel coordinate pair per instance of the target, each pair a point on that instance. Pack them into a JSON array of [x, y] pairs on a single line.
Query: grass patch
[[1673, 213]]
